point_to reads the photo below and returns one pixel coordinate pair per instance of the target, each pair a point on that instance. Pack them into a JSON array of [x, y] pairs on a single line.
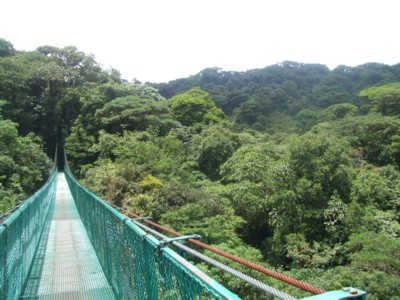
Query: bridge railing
[[20, 234], [136, 264]]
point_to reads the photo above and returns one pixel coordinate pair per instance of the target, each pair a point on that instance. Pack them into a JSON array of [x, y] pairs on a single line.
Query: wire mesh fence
[[20, 235], [135, 263]]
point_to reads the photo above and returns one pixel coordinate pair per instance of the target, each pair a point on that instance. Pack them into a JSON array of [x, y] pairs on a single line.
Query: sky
[[162, 40]]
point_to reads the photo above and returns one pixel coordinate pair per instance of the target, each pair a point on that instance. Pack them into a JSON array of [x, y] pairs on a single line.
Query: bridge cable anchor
[[166, 242]]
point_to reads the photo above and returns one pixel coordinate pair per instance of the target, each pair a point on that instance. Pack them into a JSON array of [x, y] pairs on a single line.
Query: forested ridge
[[294, 166]]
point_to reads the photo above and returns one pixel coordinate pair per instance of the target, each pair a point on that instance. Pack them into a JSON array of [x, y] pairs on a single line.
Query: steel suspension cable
[[254, 282], [300, 284]]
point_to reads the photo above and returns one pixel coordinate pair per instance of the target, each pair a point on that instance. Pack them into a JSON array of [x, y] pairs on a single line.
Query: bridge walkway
[[66, 265]]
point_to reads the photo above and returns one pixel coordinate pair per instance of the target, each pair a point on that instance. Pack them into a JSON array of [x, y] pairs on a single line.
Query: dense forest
[[294, 166]]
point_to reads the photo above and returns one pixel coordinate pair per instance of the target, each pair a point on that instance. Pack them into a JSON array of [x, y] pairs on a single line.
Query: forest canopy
[[293, 166]]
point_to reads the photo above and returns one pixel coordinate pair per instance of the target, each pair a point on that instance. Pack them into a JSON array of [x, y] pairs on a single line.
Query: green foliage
[[141, 204], [307, 118], [367, 253], [173, 196], [248, 111], [43, 90], [378, 187], [250, 163], [114, 182], [113, 90], [248, 200], [386, 98], [318, 157], [195, 107], [77, 146], [320, 204], [296, 198], [371, 136], [23, 165], [385, 222], [280, 124], [214, 152], [141, 148], [334, 219], [309, 187], [285, 88], [135, 113], [339, 111], [6, 48], [149, 183], [194, 218], [304, 255], [212, 147]]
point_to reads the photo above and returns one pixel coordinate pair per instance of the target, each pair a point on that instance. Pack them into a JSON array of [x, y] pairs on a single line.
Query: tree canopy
[[195, 107], [293, 166], [386, 98]]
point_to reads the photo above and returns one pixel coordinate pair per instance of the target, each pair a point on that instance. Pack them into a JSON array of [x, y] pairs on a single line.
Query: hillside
[[294, 166], [251, 97]]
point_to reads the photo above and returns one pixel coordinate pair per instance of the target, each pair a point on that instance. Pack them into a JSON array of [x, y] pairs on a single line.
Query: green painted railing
[[135, 263], [20, 234]]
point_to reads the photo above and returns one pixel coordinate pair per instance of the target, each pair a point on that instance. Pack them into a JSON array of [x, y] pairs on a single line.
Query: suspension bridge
[[64, 242]]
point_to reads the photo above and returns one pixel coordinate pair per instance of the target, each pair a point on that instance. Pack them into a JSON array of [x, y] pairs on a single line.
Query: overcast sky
[[161, 40]]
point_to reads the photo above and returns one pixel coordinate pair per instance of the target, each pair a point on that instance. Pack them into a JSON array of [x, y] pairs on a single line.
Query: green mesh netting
[[135, 265], [19, 237]]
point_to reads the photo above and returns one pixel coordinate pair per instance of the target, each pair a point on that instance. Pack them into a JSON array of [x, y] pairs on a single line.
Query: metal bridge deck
[[65, 265]]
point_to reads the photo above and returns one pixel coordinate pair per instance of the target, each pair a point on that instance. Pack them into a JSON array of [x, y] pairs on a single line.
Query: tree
[[371, 135], [113, 182], [386, 98], [367, 253], [194, 218], [341, 110], [43, 89], [377, 186], [6, 48], [310, 187], [248, 111], [307, 119], [23, 165], [195, 107], [112, 90], [214, 152], [322, 160], [173, 196], [77, 147], [250, 163], [135, 113]]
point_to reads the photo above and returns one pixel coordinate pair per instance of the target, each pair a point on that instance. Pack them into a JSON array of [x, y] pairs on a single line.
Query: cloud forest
[[294, 166]]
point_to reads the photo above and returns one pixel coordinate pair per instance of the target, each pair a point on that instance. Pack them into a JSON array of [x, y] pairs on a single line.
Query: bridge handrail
[[135, 263], [19, 238], [252, 281]]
